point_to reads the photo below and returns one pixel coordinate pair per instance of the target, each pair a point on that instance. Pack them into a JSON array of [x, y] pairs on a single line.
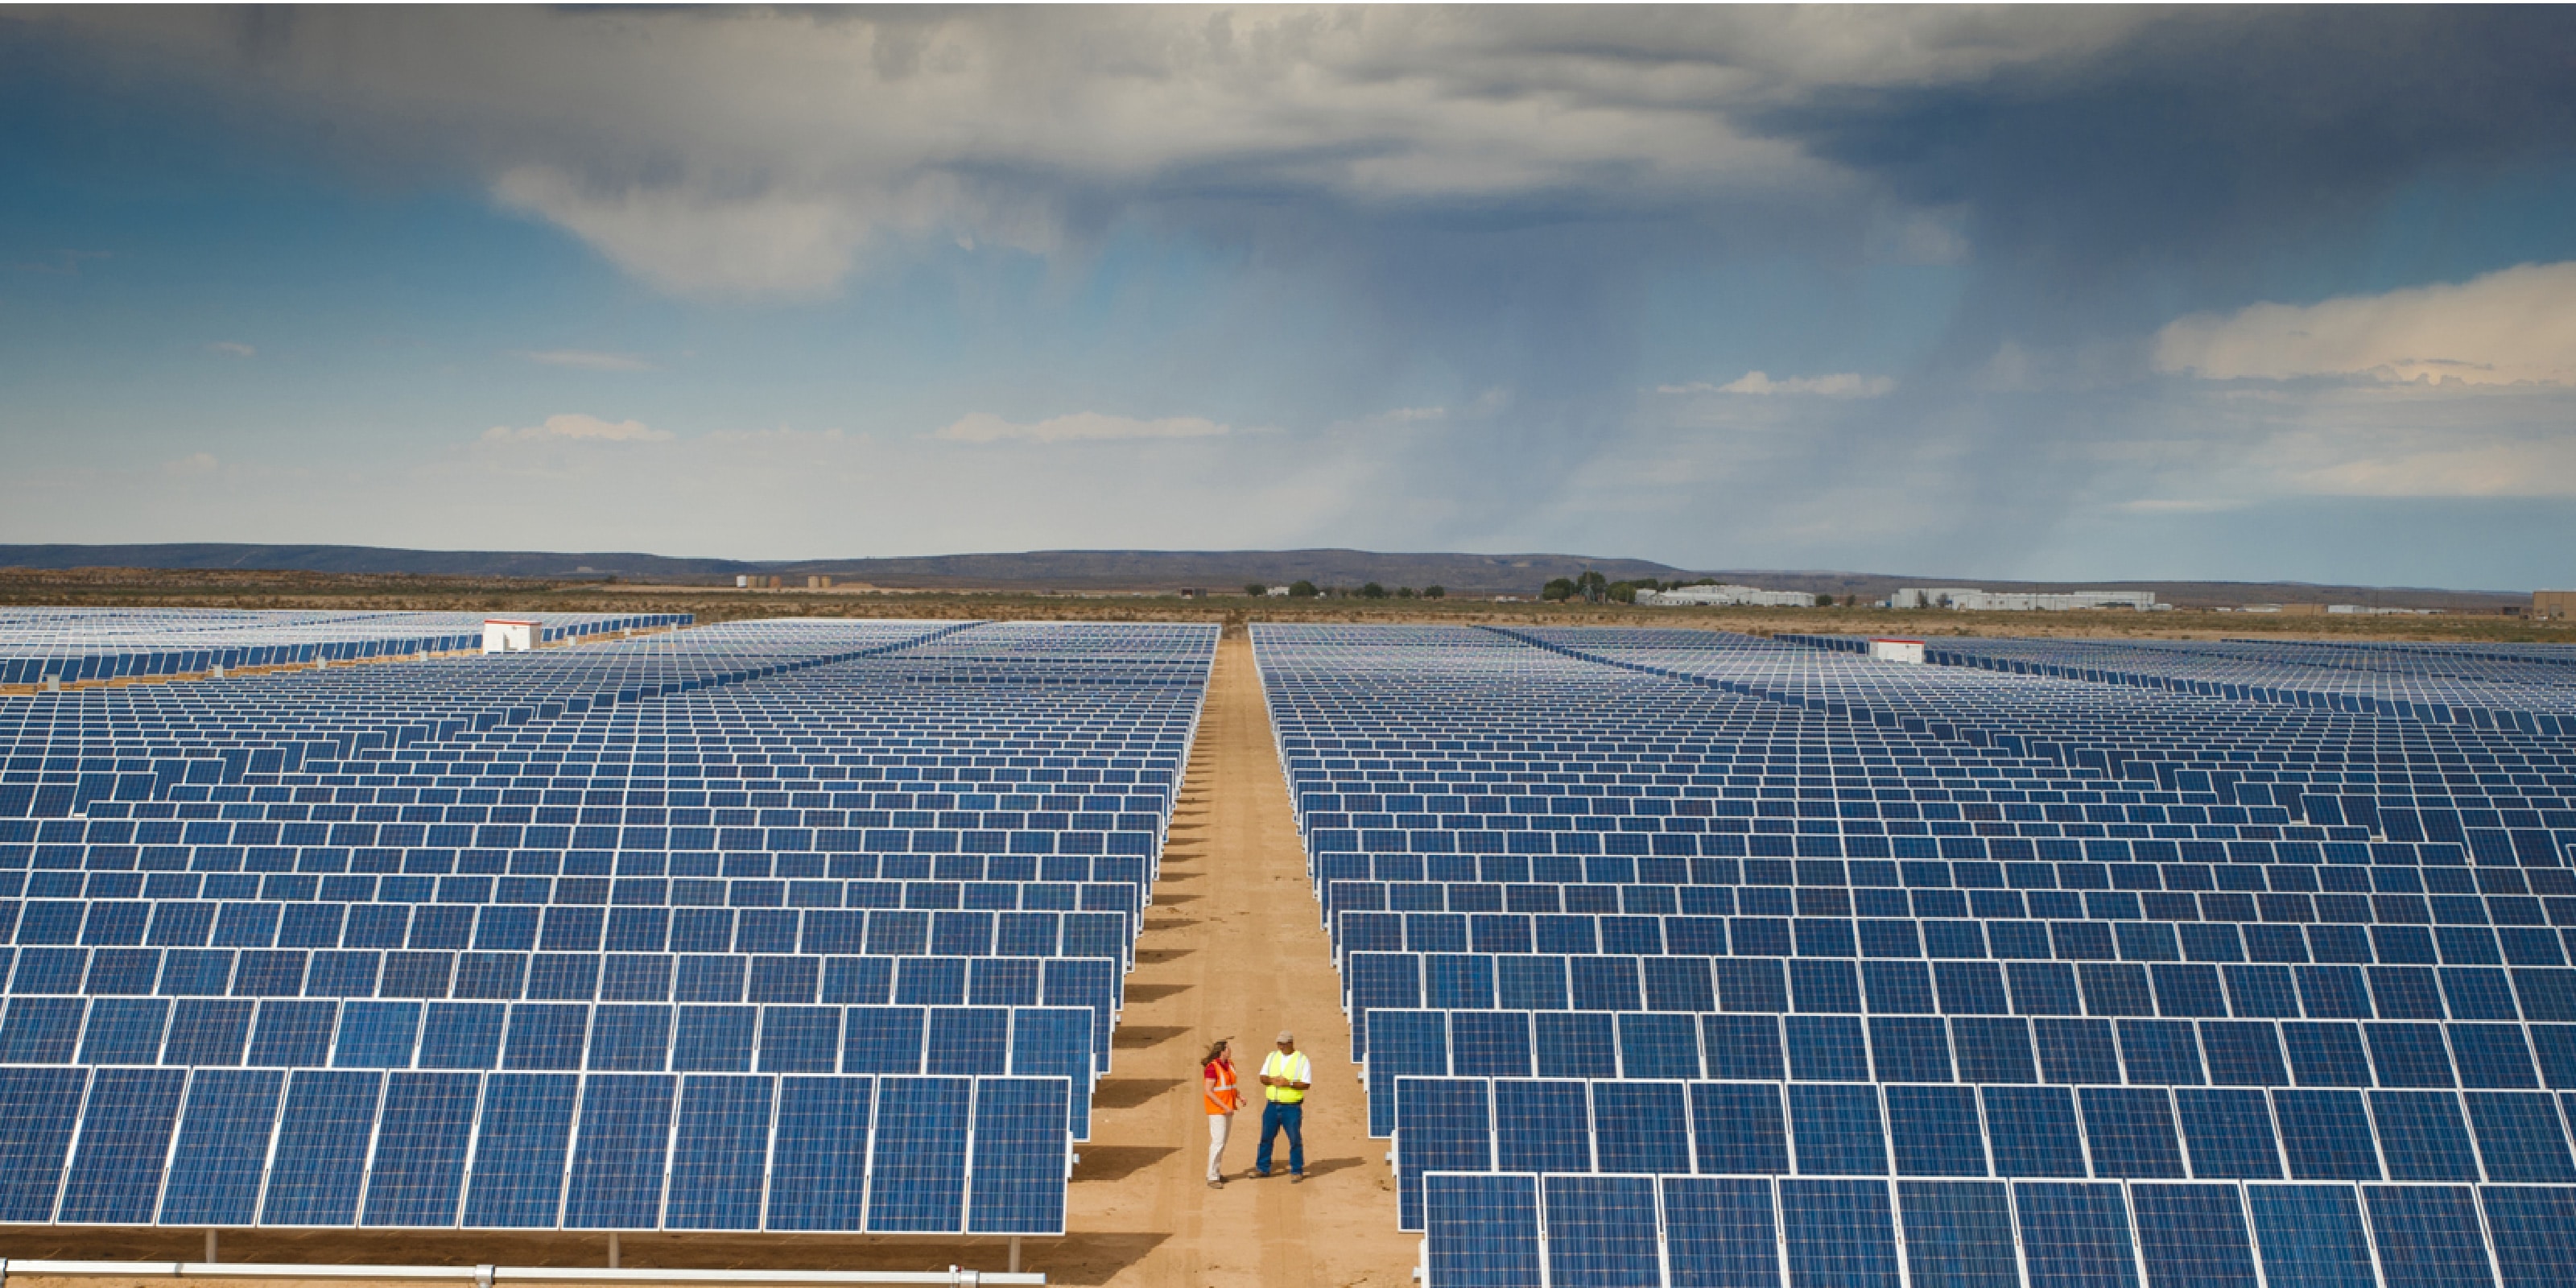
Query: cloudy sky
[[2053, 293]]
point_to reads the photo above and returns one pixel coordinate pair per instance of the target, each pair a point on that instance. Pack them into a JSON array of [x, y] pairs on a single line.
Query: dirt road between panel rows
[[1231, 948]]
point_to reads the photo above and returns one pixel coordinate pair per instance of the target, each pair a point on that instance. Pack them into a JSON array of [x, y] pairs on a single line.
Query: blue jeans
[[1275, 1118]]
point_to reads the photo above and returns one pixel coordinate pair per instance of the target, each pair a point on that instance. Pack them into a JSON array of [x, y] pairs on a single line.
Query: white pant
[[1217, 1125]]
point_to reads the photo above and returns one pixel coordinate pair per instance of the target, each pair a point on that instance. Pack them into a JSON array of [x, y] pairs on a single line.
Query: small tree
[[1404, 592], [1592, 586], [1620, 592], [1301, 590], [1372, 591], [1434, 592], [1558, 589], [1824, 601], [1255, 589]]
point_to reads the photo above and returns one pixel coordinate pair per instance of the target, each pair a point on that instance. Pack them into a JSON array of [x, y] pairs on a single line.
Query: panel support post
[[615, 1251], [210, 1247], [1015, 1254]]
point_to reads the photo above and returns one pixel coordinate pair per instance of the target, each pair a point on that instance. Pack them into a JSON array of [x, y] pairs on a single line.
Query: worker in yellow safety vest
[[1286, 1074]]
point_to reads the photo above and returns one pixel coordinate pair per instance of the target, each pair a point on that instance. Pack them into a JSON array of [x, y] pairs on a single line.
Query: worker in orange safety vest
[[1216, 1070]]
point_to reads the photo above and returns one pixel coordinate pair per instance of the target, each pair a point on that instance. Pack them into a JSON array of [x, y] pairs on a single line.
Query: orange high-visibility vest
[[1221, 1096]]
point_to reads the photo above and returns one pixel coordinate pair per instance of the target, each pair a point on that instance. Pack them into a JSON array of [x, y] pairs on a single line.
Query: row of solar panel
[[341, 1148], [2399, 900], [513, 836], [1924, 802], [222, 771], [2394, 941], [1833, 1048], [588, 780], [1767, 985], [125, 653], [1129, 864], [1094, 982], [957, 1040], [475, 831], [1823, 888], [2216, 844], [1828, 1129], [2070, 742], [1807, 782], [2231, 673], [984, 813], [582, 928]]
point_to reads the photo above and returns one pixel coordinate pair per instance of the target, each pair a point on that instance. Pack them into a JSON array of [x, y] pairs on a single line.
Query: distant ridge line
[[1078, 570]]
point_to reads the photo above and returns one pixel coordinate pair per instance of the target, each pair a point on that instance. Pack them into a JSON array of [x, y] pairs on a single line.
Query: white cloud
[[2514, 326], [588, 360], [983, 427], [689, 241], [576, 427], [754, 152], [1843, 384], [232, 349]]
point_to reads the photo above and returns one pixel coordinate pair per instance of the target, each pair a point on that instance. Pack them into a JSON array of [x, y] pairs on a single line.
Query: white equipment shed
[[1897, 650], [508, 635]]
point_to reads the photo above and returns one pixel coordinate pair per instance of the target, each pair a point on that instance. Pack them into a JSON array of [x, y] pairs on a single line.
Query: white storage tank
[[508, 635], [1897, 650]]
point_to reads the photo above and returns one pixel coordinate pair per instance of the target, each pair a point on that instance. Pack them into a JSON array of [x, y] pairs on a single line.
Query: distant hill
[[1112, 570]]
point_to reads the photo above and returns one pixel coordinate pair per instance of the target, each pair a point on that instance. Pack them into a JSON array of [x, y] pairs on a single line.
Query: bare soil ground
[[1231, 948]]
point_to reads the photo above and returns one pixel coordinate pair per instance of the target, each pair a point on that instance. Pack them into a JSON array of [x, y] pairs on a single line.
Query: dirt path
[[1231, 948]]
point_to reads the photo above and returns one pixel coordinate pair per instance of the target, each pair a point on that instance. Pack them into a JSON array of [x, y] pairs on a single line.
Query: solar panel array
[[77, 645], [1688, 958], [786, 926], [2527, 686]]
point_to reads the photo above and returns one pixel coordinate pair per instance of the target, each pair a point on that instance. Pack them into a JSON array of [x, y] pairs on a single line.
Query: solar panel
[[516, 1177], [115, 1173], [918, 1155], [1958, 1235], [1016, 1172], [719, 1145], [2194, 1234], [1602, 1231], [1720, 1233], [218, 1162], [1838, 1232], [422, 1135], [320, 1154], [1485, 1231], [2075, 1234], [822, 1123]]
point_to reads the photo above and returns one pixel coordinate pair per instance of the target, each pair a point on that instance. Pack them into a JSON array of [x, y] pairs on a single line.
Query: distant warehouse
[[2016, 601], [1725, 596]]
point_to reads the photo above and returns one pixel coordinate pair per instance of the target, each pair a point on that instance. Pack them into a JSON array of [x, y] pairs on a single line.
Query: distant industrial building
[[1725, 596], [2553, 603], [1969, 599]]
